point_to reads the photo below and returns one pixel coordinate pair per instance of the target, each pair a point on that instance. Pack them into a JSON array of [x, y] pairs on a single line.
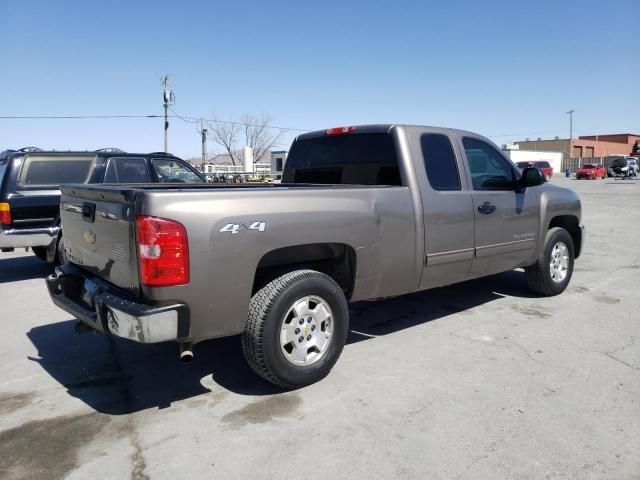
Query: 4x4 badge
[[234, 228]]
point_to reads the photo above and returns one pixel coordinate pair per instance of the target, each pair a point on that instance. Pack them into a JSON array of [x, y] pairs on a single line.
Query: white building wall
[[554, 158], [278, 159]]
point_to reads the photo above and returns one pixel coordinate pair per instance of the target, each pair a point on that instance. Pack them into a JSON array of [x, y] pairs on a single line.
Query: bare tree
[[226, 135], [258, 134]]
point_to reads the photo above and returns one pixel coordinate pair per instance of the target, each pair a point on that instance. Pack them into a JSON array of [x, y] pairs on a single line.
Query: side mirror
[[531, 177]]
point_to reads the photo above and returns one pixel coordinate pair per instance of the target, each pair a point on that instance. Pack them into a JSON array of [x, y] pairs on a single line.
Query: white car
[[627, 167]]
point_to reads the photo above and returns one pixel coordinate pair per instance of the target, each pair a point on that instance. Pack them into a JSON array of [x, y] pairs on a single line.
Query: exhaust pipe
[[186, 352]]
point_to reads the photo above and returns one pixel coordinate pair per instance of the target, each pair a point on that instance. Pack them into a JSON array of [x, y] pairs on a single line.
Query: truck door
[[506, 218], [447, 209]]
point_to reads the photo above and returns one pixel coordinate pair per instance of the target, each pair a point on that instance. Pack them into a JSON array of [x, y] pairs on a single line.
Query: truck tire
[[296, 328], [552, 272], [40, 252]]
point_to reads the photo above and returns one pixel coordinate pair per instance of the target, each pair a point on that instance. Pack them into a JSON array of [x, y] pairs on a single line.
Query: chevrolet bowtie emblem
[[90, 237]]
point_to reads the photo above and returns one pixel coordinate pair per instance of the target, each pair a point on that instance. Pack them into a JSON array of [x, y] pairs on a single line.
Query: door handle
[[487, 208]]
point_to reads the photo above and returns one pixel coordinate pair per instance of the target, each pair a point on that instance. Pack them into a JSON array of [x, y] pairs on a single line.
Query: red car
[[542, 165], [591, 171]]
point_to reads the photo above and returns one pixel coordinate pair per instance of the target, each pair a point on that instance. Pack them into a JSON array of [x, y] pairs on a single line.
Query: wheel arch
[[572, 225], [337, 260]]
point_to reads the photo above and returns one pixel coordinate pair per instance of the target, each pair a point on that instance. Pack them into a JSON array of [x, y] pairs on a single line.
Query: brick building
[[587, 146]]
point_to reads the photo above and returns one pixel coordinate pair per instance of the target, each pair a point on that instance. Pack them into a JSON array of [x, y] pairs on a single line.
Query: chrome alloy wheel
[[306, 330], [559, 265]]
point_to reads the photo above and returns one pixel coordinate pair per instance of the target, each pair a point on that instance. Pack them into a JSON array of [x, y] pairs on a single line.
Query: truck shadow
[[117, 377], [27, 267]]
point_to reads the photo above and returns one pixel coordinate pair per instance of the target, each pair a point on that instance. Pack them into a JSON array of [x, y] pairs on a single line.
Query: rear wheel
[[296, 328], [40, 252], [552, 272], [547, 177]]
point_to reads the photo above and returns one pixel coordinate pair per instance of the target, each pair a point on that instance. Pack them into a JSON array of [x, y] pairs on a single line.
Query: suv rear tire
[[296, 328], [552, 271], [40, 252]]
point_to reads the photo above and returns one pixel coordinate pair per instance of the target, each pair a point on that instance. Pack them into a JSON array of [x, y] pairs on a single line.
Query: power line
[[175, 115], [195, 120], [71, 117]]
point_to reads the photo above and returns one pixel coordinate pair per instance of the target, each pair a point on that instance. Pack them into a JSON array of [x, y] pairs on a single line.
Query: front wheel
[[552, 271], [296, 328]]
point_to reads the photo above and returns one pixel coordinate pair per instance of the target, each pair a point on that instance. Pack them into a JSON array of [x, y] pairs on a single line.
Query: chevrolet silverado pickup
[[362, 213]]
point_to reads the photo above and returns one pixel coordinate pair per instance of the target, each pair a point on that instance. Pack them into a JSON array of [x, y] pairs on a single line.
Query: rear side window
[[41, 170], [127, 170], [440, 162], [3, 167], [352, 159]]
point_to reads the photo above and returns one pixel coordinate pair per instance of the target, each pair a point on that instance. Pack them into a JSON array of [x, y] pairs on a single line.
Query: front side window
[[172, 171], [489, 169], [127, 170], [55, 170], [440, 162]]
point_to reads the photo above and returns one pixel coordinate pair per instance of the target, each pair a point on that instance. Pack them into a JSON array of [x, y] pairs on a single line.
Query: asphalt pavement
[[481, 380]]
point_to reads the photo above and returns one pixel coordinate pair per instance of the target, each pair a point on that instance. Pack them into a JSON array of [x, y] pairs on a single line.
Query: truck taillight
[[339, 130], [163, 252], [5, 214]]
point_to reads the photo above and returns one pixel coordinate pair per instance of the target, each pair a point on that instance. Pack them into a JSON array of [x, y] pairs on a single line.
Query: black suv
[[30, 196]]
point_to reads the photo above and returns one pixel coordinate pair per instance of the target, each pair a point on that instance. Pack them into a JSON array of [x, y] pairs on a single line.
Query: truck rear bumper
[[28, 237], [99, 306]]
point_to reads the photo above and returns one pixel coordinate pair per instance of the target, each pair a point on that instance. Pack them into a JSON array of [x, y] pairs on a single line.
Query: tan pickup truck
[[362, 212]]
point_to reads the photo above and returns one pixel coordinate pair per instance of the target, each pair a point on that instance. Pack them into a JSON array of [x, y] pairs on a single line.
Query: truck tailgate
[[98, 228]]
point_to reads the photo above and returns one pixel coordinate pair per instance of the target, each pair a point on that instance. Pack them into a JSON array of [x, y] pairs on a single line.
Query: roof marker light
[[339, 130]]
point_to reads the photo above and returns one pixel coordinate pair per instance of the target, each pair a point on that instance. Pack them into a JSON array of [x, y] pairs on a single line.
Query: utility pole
[[570, 147], [168, 98], [570, 112], [203, 133]]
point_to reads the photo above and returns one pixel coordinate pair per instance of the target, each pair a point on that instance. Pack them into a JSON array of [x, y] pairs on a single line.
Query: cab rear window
[[351, 159], [54, 171]]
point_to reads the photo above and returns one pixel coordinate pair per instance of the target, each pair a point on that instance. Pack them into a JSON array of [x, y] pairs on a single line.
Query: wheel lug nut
[[309, 320], [297, 331], [313, 327], [300, 339], [309, 337], [301, 321]]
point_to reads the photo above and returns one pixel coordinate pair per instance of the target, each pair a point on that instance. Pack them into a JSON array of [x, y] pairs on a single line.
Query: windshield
[[589, 166], [172, 171], [523, 164]]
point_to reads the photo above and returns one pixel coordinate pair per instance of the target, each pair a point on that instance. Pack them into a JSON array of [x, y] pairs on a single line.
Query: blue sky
[[506, 69]]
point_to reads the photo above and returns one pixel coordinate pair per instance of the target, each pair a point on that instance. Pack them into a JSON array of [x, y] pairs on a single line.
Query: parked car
[[591, 171], [544, 166], [362, 213], [626, 167], [30, 194]]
